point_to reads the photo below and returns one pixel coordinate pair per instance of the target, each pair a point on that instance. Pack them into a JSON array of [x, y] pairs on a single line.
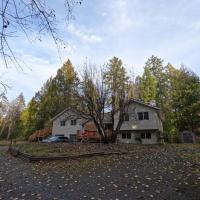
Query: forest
[[98, 89]]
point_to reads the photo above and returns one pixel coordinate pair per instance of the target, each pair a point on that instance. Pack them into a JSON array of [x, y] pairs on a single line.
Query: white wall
[[134, 124], [68, 128], [153, 140], [127, 141]]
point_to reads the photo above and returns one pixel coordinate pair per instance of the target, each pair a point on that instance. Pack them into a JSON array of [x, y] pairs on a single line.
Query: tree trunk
[[114, 137], [105, 140], [101, 131]]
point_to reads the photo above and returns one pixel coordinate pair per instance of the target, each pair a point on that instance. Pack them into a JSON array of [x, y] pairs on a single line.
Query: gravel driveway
[[170, 172]]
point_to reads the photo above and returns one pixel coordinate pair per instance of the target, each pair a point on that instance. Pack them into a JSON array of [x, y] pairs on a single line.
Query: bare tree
[[93, 95], [24, 17], [12, 114]]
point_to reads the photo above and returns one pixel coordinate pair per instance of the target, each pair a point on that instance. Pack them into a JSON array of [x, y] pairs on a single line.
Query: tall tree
[[186, 100], [92, 94], [155, 66], [13, 114], [148, 86], [55, 95], [118, 84], [66, 81]]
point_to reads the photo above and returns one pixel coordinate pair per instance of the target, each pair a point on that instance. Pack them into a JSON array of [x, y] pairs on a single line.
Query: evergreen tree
[[118, 85], [155, 66], [55, 95], [186, 100], [148, 86], [66, 82]]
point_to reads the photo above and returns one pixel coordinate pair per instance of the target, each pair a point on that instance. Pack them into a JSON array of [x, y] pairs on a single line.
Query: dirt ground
[[169, 172]]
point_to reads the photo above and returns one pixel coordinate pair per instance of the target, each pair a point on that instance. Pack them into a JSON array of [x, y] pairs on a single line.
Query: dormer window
[[73, 122], [62, 123]]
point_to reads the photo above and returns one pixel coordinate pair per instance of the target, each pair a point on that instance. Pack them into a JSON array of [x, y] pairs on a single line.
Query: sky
[[132, 30]]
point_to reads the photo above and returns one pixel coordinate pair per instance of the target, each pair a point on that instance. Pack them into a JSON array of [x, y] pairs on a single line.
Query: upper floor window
[[62, 123], [126, 117], [73, 122], [143, 115], [146, 116]]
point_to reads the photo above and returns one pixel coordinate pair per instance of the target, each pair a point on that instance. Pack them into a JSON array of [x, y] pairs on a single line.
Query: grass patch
[[65, 149], [60, 149]]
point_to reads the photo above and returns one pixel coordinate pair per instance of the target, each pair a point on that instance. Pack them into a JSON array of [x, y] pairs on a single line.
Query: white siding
[[134, 124], [68, 128], [127, 141], [153, 140]]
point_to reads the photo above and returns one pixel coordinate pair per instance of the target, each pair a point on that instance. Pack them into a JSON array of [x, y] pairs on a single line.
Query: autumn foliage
[[40, 134]]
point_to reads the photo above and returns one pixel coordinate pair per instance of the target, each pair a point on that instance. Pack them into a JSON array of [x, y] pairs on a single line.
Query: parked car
[[55, 139]]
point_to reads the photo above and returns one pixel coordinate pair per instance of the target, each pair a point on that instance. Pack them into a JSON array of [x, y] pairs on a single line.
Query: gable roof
[[68, 109], [142, 103], [107, 116]]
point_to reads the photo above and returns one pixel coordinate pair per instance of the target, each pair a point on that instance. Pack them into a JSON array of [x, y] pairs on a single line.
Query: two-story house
[[68, 123], [142, 123]]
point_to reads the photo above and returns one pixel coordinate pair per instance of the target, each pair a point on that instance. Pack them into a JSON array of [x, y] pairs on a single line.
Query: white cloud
[[130, 29], [85, 36], [119, 15], [30, 79], [124, 20]]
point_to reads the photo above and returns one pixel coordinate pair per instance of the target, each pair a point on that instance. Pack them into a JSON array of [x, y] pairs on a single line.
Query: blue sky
[[130, 29]]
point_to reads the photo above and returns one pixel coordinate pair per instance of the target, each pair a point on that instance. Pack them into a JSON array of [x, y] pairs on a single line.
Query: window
[[143, 135], [123, 135], [126, 117], [146, 135], [62, 123], [126, 135], [73, 122], [140, 116], [143, 115], [146, 116]]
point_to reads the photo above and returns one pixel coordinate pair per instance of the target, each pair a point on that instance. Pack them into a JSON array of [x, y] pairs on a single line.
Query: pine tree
[[66, 81], [155, 66], [117, 82], [147, 86]]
